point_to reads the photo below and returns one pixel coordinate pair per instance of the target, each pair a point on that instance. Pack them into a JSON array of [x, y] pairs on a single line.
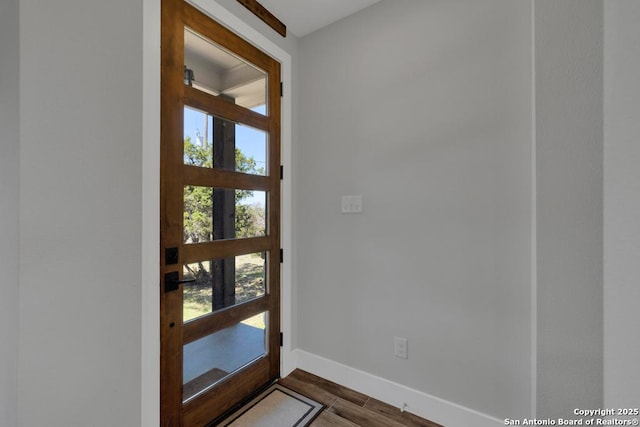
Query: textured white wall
[[80, 211], [424, 108], [569, 135], [621, 203], [9, 238]]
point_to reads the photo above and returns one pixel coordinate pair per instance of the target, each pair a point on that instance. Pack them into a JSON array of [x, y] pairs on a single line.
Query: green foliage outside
[[198, 227], [249, 284], [198, 201]]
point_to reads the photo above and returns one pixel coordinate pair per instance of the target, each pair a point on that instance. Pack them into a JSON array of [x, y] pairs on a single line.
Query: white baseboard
[[443, 412]]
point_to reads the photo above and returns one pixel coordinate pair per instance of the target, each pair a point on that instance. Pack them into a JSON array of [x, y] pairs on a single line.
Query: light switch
[[351, 204]]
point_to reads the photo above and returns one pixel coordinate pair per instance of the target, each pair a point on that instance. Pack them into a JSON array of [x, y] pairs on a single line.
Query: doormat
[[277, 406]]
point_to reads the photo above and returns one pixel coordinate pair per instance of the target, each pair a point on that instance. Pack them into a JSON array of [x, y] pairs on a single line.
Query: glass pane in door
[[212, 142], [222, 283], [212, 69], [213, 358], [221, 213]]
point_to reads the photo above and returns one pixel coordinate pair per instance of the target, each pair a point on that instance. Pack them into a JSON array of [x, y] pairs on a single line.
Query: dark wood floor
[[348, 408]]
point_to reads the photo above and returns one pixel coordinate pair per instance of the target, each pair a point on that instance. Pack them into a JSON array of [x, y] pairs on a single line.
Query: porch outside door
[[220, 218]]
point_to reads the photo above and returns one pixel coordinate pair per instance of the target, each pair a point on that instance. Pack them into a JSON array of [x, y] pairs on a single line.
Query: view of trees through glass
[[247, 283], [220, 213]]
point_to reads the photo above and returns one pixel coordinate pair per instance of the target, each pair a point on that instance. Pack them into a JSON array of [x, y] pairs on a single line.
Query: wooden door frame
[[173, 14], [150, 324]]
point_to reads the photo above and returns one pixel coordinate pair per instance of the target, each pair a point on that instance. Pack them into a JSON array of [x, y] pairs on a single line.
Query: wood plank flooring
[[348, 408]]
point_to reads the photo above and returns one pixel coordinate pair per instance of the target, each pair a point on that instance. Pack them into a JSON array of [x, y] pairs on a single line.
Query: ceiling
[[305, 16]]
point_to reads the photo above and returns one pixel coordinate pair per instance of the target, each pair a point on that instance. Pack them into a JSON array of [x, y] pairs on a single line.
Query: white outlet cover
[[352, 204], [401, 347]]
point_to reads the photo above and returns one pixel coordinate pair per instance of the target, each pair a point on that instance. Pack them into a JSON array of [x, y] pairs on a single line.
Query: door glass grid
[[229, 355]]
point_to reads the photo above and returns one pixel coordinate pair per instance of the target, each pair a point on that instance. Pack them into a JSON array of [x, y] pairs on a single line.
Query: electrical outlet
[[401, 348], [351, 204]]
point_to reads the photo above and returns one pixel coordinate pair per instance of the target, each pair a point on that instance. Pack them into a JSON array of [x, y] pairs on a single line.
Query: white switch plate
[[401, 347], [351, 204]]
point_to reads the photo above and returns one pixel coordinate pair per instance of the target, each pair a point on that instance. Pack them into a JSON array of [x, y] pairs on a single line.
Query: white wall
[[569, 133], [425, 110], [621, 203], [80, 204], [9, 238]]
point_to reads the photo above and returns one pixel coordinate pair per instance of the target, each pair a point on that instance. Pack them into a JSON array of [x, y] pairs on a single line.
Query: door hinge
[[281, 89], [281, 172], [281, 255], [281, 339]]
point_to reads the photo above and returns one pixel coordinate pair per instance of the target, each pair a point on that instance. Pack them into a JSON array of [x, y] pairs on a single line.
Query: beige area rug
[[276, 407]]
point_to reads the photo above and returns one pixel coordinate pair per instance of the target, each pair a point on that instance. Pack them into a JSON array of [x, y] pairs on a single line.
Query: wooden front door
[[220, 218]]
